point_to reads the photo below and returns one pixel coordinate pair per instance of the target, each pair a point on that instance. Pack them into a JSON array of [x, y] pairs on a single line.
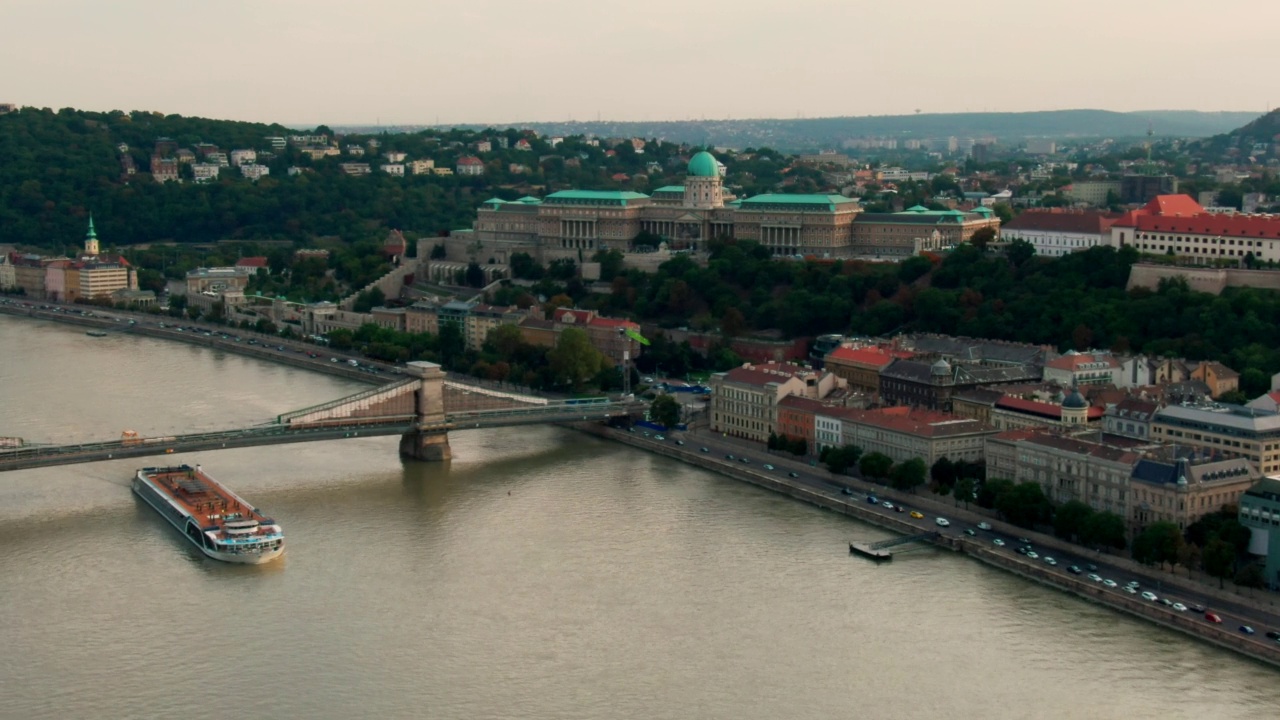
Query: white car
[[1095, 577], [1109, 583], [998, 542], [1131, 590], [1150, 596], [943, 522], [887, 505], [1179, 607], [1033, 555], [984, 526]]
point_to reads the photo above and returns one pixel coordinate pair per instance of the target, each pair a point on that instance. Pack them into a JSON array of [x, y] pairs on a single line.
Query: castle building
[[576, 223]]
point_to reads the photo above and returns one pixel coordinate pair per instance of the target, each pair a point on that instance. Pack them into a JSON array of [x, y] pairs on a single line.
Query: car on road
[[1273, 635], [1166, 602], [1179, 607], [703, 450], [1074, 569], [984, 526], [767, 466], [679, 442], [1134, 584], [1050, 561], [917, 514], [1246, 630], [873, 500], [998, 542], [1131, 590], [846, 491], [1213, 618], [1149, 596], [728, 457], [1033, 555], [659, 437], [969, 532], [898, 508], [792, 474], [1196, 607], [1109, 583], [1095, 577], [1024, 541], [887, 505], [745, 460], [943, 522]]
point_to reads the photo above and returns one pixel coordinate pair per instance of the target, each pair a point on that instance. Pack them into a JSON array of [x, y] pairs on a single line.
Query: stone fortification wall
[[1210, 280]]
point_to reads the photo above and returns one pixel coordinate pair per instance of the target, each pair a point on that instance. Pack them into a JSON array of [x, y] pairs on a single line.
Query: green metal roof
[[529, 200], [704, 164], [670, 188], [916, 209], [494, 201], [798, 202], [92, 235], [594, 197]]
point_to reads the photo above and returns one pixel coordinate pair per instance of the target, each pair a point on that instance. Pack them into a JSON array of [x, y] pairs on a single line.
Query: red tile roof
[[1181, 214], [470, 160], [569, 316], [1072, 221], [914, 421], [871, 356], [599, 321], [1043, 409], [253, 262], [765, 373], [1073, 362]]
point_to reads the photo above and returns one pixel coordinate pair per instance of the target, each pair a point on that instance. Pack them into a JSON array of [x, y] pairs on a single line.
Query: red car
[[1213, 618]]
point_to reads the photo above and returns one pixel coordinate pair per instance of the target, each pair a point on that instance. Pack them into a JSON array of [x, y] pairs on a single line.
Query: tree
[[475, 275], [523, 266], [875, 465], [1251, 575], [1025, 505], [1019, 252], [1219, 559], [982, 237], [964, 490], [369, 300], [1003, 211], [265, 326], [610, 264], [665, 410], [733, 323], [840, 459], [574, 360], [452, 344], [1158, 543], [991, 490], [909, 475], [943, 472], [438, 252], [1103, 529], [1070, 519], [505, 340]]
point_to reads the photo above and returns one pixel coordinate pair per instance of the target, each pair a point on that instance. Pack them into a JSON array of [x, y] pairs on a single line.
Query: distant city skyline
[[408, 62]]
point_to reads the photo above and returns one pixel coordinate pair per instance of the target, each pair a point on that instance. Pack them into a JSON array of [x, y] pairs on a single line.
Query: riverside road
[[1234, 610]]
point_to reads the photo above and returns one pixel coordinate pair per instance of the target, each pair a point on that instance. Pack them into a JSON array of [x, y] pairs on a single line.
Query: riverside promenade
[[818, 487]]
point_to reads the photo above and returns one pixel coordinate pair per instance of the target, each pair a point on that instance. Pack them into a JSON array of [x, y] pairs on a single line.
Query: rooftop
[[797, 202], [594, 197]]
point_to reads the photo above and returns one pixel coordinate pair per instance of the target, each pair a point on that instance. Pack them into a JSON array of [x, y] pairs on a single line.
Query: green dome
[[704, 165]]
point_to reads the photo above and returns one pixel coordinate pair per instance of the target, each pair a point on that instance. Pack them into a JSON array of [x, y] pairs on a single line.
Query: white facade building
[[243, 157]]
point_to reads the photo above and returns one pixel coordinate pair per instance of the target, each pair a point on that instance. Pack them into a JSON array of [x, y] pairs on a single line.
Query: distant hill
[[1262, 130], [817, 133]]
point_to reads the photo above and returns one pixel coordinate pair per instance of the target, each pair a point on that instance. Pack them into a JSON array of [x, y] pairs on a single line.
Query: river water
[[540, 574]]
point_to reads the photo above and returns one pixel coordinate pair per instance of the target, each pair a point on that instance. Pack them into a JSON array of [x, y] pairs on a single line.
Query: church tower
[[91, 240], [703, 188]]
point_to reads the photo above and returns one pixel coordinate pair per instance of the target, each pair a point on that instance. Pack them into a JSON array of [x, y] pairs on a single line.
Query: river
[[540, 574]]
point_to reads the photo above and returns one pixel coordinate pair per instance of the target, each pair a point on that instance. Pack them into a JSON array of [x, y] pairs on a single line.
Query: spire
[[91, 234], [91, 240]]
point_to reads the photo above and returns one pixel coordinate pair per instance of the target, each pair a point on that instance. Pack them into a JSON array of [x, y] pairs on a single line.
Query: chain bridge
[[421, 408]]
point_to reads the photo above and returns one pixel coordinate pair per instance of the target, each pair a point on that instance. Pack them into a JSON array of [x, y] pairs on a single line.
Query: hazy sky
[[305, 62]]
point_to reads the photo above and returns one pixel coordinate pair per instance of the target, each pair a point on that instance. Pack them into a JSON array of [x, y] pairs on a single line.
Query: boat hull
[[178, 520]]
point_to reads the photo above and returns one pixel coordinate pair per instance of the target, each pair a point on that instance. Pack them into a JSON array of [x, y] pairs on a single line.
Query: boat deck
[[206, 500]]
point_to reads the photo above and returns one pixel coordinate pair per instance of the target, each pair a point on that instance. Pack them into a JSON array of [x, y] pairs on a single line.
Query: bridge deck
[[271, 434]]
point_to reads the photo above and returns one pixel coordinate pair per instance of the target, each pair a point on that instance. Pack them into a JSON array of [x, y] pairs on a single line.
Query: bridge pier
[[427, 445], [426, 441]]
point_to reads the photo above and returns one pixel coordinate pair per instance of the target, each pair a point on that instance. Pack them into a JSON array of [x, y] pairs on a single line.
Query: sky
[[400, 62]]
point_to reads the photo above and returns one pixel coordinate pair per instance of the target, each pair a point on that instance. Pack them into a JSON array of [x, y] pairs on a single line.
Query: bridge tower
[[428, 440]]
